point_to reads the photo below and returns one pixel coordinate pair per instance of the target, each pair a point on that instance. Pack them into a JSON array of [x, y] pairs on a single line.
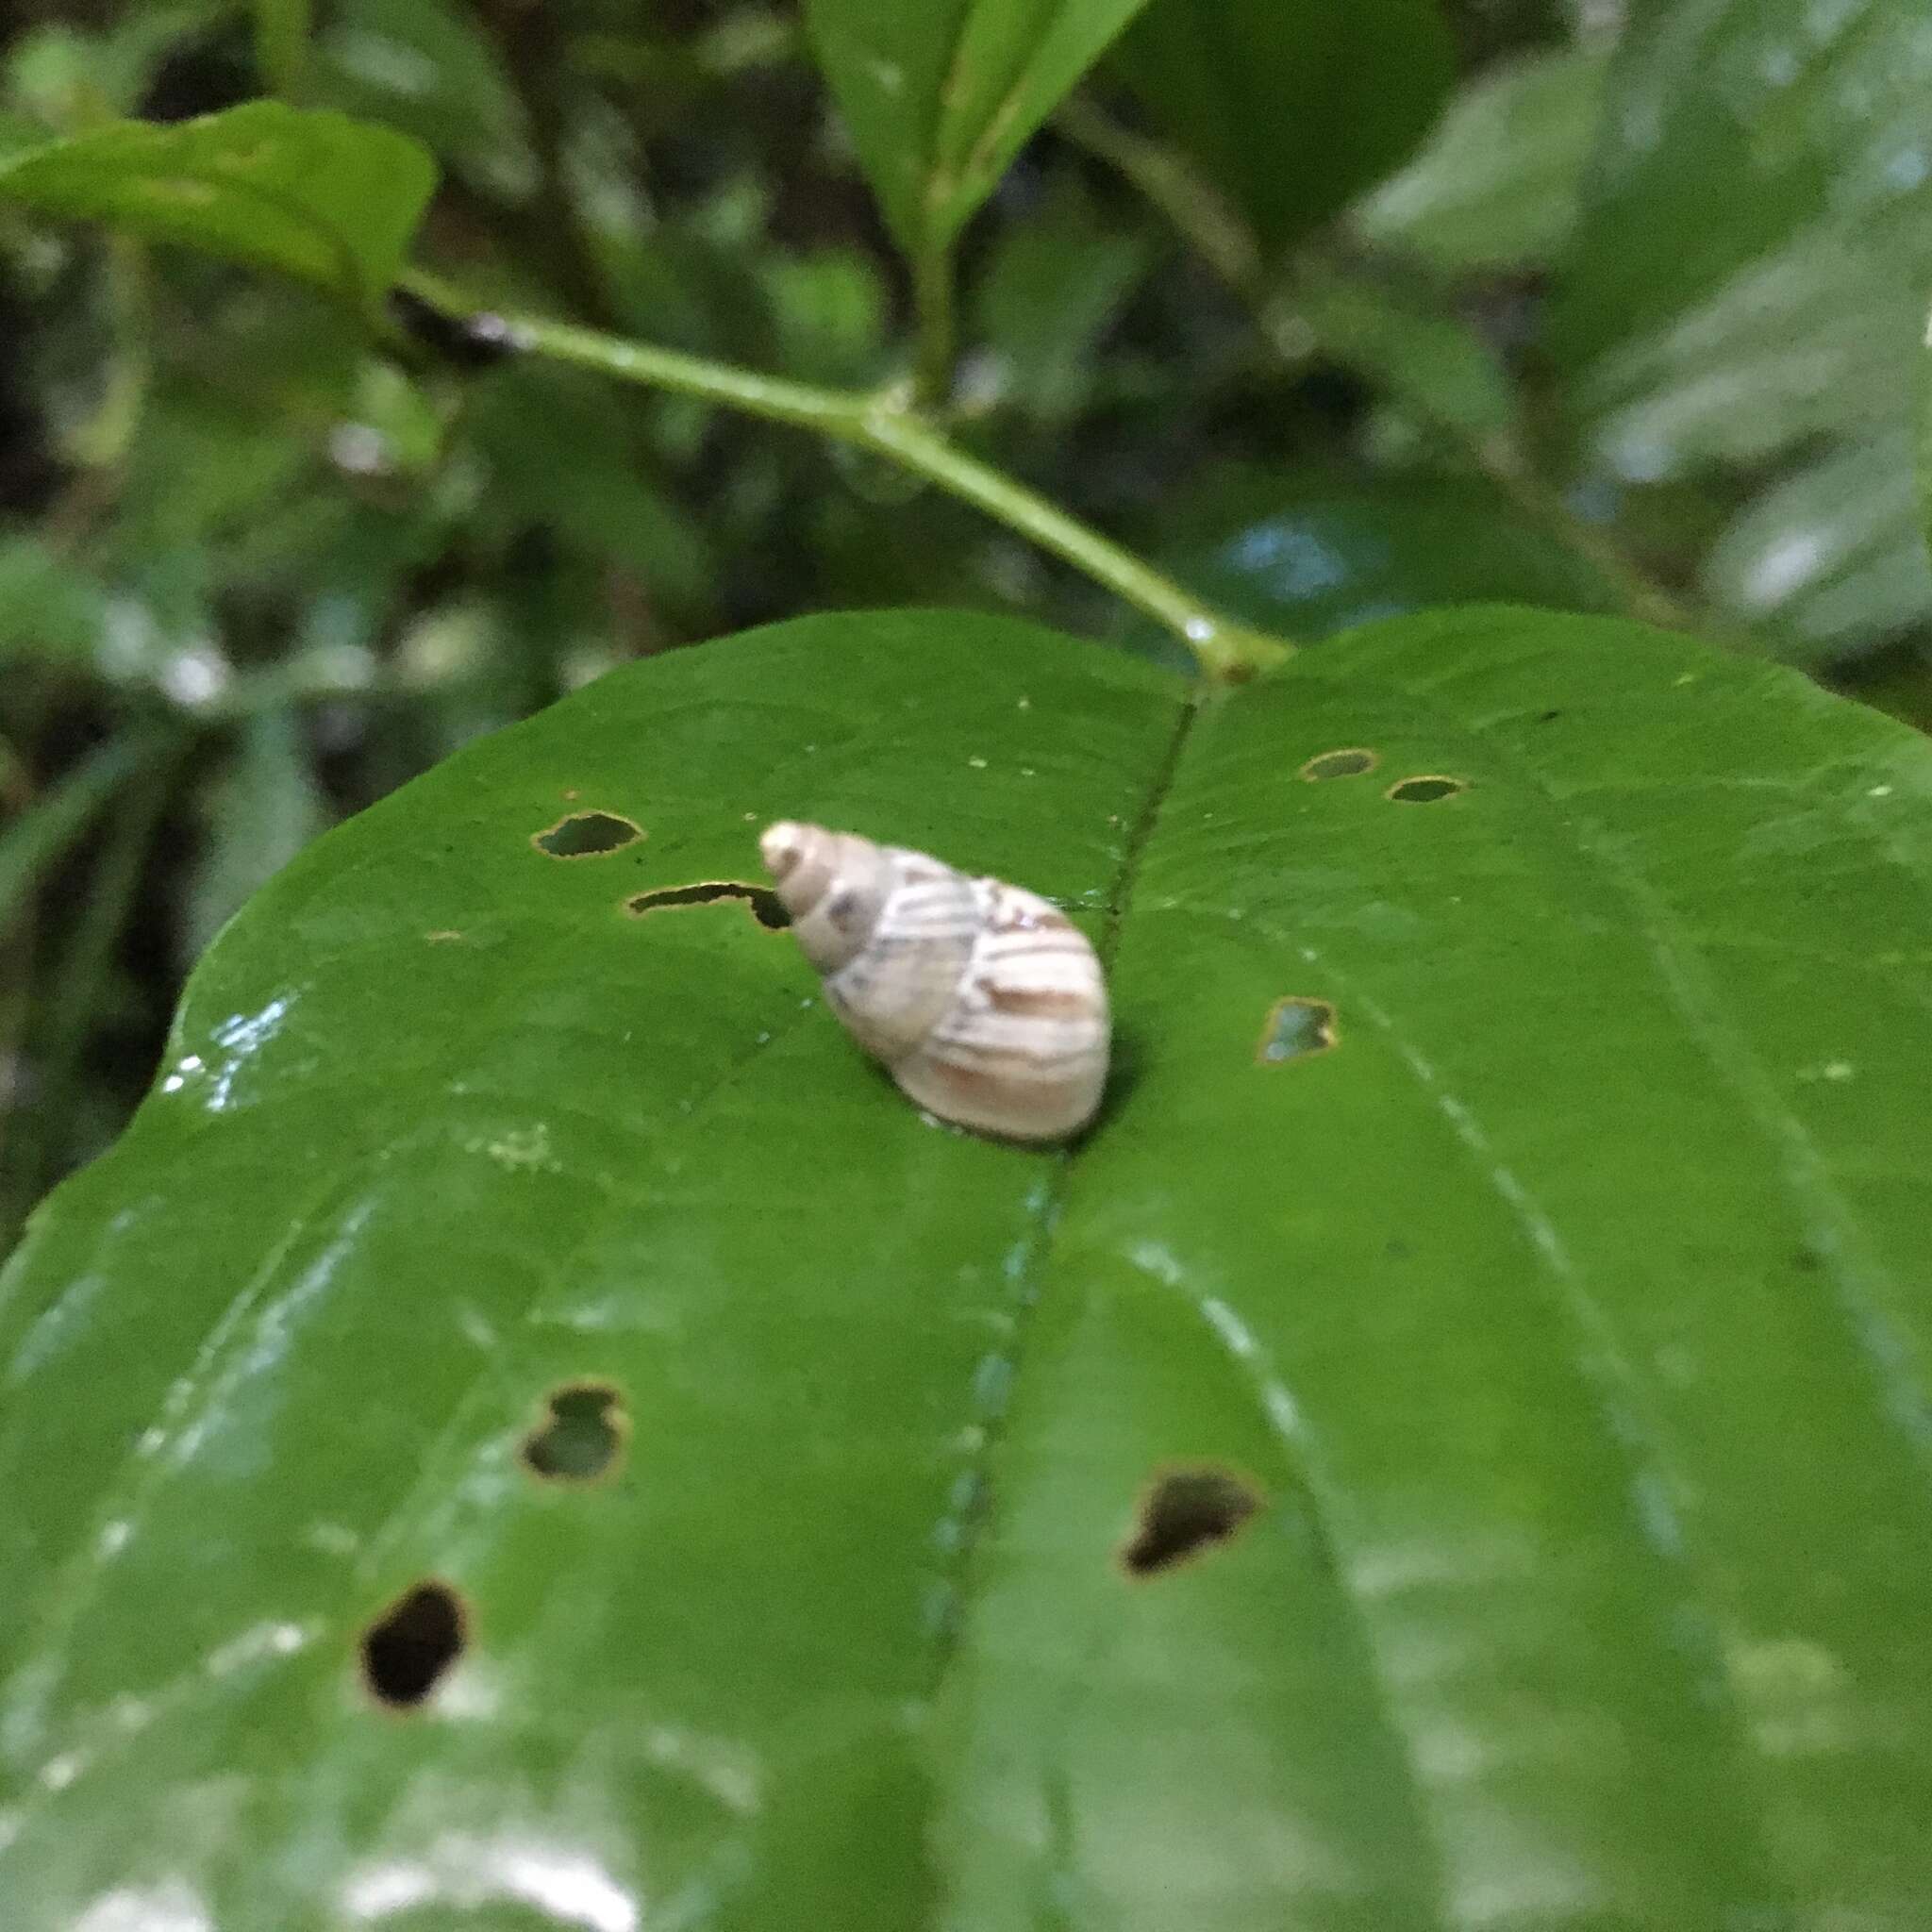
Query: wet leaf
[[1496, 185], [1293, 107], [312, 194], [941, 96], [1488, 1453]]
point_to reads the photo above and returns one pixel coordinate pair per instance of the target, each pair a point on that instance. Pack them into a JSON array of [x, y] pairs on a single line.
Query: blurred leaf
[[1419, 356], [1752, 265], [260, 811], [828, 313], [68, 77], [1543, 1357], [38, 834], [1291, 107], [1832, 557], [1497, 185], [1049, 287], [50, 608], [1307, 554], [427, 68], [940, 95], [567, 454], [314, 196]]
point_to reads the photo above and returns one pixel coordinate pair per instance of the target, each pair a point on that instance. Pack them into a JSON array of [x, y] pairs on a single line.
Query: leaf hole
[[407, 1650], [1348, 763], [582, 1434], [762, 903], [586, 835], [1295, 1027], [1425, 790], [1185, 1511]]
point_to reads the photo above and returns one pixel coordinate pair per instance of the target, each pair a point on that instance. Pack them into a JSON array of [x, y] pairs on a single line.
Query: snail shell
[[984, 1002]]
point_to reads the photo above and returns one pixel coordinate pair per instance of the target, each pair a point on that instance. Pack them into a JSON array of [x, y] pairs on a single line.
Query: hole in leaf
[[1350, 763], [1295, 1026], [1185, 1511], [762, 903], [581, 1437], [409, 1647], [586, 835], [1425, 790]]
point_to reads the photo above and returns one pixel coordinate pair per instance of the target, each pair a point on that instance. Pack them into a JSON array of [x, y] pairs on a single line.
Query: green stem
[[885, 426], [281, 46], [933, 301]]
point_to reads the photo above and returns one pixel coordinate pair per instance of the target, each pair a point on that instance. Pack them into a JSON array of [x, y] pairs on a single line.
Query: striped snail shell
[[984, 1002]]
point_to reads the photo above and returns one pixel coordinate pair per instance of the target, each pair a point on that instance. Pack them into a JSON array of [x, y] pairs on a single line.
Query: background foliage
[[1337, 312]]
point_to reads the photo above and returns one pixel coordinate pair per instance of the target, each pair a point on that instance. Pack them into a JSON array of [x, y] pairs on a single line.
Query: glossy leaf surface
[[939, 96], [1502, 1252], [1291, 107], [310, 195]]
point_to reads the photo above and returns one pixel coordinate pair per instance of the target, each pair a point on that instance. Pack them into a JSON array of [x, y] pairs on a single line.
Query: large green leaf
[[940, 95], [1291, 106], [312, 195], [1511, 1199]]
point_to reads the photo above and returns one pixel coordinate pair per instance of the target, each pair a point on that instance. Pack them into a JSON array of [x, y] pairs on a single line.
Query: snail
[[984, 1002]]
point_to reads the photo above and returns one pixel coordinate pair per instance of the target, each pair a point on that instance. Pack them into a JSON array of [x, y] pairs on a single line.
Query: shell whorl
[[984, 1001]]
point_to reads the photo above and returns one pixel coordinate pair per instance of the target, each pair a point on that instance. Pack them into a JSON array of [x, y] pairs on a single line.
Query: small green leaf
[[1460, 1456], [940, 95], [310, 195], [1421, 357], [1496, 186], [1291, 107]]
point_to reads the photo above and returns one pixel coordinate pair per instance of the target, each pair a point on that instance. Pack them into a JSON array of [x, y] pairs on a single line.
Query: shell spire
[[984, 1002]]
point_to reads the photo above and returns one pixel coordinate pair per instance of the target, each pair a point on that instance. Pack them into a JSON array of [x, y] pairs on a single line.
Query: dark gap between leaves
[[759, 901], [586, 835], [1348, 763], [407, 1650], [1184, 1512], [1295, 1027], [581, 1436], [1425, 790]]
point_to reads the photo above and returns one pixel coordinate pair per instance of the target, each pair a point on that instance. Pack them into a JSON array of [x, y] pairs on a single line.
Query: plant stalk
[[886, 426]]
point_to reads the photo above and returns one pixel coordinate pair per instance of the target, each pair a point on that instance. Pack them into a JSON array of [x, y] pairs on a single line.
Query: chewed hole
[[1425, 790], [1185, 1511], [1350, 763], [1295, 1026], [581, 1436], [586, 835], [412, 1643], [761, 900]]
